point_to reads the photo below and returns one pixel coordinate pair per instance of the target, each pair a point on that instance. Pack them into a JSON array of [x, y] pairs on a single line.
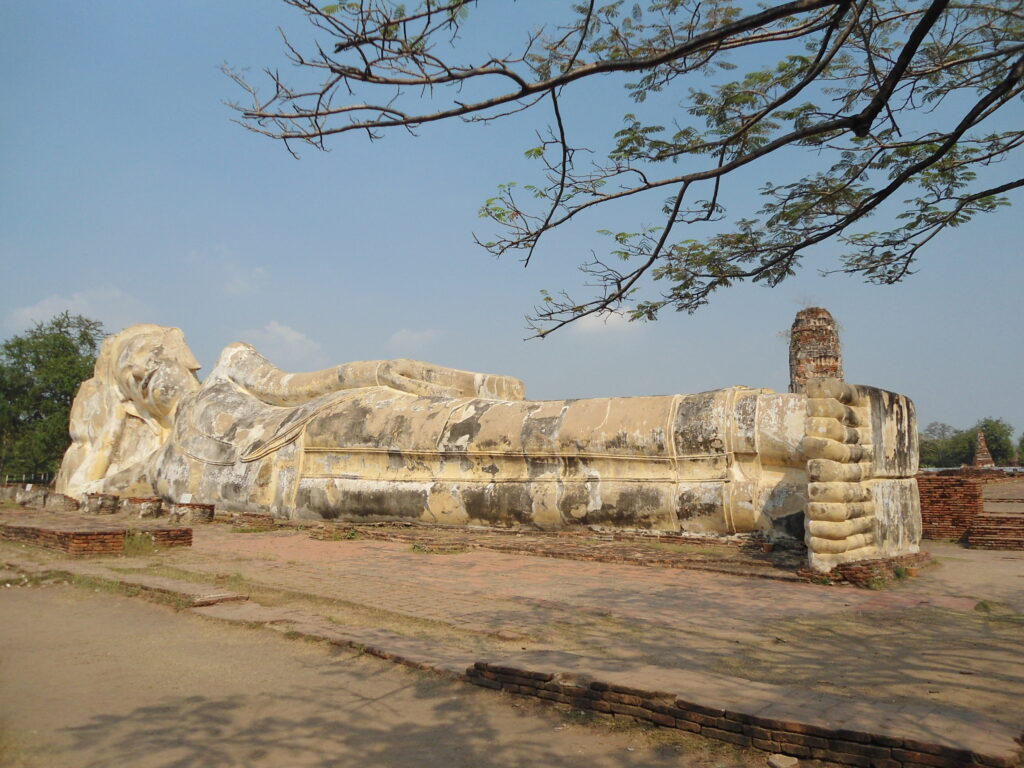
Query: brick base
[[870, 573], [992, 530], [67, 540], [254, 521], [745, 730], [953, 509], [92, 540]]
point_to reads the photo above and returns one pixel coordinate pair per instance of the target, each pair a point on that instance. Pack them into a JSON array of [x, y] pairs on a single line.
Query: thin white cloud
[[244, 281], [285, 347], [405, 342], [237, 277], [106, 303], [614, 323]]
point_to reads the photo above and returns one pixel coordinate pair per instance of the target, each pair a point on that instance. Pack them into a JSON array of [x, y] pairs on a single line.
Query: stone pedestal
[[191, 513], [100, 504], [58, 502], [143, 507], [31, 496]]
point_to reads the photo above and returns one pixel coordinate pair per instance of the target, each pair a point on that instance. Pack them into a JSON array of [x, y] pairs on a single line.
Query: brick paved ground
[[920, 641], [950, 638]]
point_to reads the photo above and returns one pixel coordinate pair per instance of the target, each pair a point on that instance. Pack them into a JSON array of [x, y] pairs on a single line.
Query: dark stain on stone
[[540, 431], [690, 504], [621, 441], [543, 467], [574, 498], [500, 504], [394, 503], [791, 525], [893, 459], [745, 416], [344, 427], [469, 427], [696, 429], [784, 499], [638, 507]]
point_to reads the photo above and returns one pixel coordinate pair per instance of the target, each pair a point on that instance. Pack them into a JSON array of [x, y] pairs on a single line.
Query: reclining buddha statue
[[405, 440]]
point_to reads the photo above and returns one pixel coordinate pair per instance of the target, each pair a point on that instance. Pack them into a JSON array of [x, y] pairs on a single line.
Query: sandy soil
[[103, 680]]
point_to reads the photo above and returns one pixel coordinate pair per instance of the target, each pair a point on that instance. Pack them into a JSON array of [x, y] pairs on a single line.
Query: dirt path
[[103, 680]]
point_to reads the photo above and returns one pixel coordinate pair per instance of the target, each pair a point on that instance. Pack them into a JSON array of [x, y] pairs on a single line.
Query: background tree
[[40, 371], [999, 436], [946, 446], [885, 108]]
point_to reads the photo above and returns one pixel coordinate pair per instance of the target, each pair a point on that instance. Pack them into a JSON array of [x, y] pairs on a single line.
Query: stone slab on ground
[[195, 594], [418, 653]]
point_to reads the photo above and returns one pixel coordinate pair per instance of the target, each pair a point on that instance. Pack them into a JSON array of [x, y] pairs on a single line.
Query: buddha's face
[[157, 370]]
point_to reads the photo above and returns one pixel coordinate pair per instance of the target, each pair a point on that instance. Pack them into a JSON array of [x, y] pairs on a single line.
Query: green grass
[[139, 544], [97, 584], [347, 534], [439, 549]]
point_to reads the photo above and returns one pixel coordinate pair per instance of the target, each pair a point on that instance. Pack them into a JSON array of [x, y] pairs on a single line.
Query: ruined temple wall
[[949, 505]]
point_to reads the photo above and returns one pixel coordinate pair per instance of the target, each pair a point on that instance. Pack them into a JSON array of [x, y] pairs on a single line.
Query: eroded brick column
[[814, 350], [982, 455]]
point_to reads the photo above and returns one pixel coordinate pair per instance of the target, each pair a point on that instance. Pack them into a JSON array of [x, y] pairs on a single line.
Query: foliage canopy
[[946, 446], [40, 371], [898, 107]]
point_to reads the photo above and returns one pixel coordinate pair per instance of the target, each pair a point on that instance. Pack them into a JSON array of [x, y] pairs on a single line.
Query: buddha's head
[[126, 410], [152, 370]]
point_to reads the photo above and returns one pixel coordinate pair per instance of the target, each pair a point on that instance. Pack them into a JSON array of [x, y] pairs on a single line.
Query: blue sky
[[127, 194]]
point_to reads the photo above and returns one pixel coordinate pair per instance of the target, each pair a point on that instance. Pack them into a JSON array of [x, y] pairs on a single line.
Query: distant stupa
[[982, 455], [814, 349]]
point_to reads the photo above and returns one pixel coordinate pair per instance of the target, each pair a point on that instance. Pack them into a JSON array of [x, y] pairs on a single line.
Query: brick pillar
[[814, 350]]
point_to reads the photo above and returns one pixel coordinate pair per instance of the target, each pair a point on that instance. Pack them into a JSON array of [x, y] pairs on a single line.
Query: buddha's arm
[[247, 368]]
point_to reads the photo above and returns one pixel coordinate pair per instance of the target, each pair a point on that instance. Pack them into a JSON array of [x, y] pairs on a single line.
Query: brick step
[[1004, 546], [1000, 525], [1011, 521], [999, 533], [996, 541]]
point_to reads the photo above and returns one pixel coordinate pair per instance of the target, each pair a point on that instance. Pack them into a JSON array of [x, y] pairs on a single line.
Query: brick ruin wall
[[953, 509], [801, 740], [72, 542], [83, 542], [949, 505], [869, 574]]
